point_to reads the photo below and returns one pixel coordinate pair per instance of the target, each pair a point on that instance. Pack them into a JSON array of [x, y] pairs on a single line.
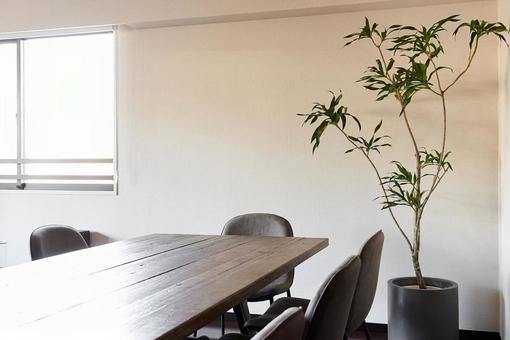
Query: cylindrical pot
[[423, 314]]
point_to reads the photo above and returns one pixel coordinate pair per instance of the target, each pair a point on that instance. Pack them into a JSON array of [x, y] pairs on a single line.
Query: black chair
[[370, 255], [287, 326], [262, 224], [364, 295], [327, 313], [53, 240]]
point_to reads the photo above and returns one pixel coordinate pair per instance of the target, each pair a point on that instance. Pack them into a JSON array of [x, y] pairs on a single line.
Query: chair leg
[[242, 314], [288, 293], [346, 337], [365, 329], [223, 324], [195, 334], [271, 300]]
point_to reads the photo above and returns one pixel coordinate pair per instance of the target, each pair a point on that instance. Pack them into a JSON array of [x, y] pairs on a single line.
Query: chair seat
[[277, 308]]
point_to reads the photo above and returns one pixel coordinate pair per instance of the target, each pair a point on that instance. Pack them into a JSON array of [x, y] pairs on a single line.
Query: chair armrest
[[277, 308]]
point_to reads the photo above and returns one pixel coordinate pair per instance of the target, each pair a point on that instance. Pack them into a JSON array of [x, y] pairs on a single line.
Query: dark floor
[[213, 330], [377, 332]]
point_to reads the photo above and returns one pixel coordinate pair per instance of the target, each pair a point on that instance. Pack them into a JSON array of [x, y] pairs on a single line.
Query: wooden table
[[154, 286]]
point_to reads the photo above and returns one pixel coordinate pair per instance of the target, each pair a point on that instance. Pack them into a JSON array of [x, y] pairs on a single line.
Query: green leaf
[[378, 127], [390, 64], [316, 137]]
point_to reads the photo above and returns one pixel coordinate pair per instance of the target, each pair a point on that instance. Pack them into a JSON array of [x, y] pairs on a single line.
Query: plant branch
[[433, 188], [381, 183], [415, 247], [436, 179], [472, 53], [434, 91], [401, 101], [408, 126]]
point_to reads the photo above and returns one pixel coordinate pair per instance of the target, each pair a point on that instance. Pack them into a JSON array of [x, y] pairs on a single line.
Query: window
[[57, 113]]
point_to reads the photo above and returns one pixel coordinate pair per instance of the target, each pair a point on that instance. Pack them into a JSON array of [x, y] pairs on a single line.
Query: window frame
[[21, 161]]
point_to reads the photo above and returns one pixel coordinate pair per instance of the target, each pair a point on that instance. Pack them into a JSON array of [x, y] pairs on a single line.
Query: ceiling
[[44, 14]]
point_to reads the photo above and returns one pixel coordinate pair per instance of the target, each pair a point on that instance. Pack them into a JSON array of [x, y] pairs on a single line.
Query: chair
[[287, 326], [370, 255], [364, 295], [327, 313], [53, 240], [261, 224], [290, 325]]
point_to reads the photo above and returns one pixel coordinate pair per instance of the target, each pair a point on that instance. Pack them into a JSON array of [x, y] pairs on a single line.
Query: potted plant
[[408, 62]]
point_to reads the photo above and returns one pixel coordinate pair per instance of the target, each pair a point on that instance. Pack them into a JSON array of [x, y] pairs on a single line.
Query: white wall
[[207, 130], [504, 111]]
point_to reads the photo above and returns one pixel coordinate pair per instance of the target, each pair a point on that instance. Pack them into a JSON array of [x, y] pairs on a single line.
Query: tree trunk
[[416, 250], [417, 270]]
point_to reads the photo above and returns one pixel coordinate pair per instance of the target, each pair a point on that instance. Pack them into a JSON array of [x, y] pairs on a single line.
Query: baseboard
[[464, 334], [479, 335], [383, 328]]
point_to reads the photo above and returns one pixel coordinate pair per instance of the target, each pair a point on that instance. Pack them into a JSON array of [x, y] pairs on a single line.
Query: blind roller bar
[[60, 177], [58, 187], [57, 32], [57, 161]]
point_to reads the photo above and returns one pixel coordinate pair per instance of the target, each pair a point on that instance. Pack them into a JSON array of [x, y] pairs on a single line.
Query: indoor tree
[[408, 62]]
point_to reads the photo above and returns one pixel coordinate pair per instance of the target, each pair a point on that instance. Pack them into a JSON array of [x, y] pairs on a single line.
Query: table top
[[153, 286]]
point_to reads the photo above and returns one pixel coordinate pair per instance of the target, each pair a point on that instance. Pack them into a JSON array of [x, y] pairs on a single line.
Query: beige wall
[[504, 104], [208, 130]]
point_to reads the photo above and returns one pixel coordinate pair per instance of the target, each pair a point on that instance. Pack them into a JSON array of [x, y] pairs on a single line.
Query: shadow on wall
[[504, 196], [506, 85]]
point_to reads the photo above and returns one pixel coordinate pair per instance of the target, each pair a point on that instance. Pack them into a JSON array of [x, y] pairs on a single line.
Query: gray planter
[[423, 314]]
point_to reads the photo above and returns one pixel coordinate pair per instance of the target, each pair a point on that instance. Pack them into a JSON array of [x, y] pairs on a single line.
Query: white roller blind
[[59, 123]]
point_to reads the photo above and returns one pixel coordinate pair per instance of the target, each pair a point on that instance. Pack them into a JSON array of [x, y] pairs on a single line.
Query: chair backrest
[[288, 325], [262, 224], [370, 255], [53, 240], [326, 315], [258, 224]]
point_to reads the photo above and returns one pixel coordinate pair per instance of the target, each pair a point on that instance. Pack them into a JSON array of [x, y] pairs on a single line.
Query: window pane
[[69, 169], [8, 169], [69, 97], [8, 100]]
